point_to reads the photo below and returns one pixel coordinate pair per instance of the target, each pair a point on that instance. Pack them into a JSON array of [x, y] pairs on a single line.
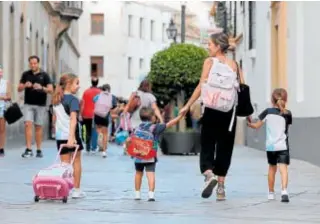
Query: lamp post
[[172, 31], [183, 21]]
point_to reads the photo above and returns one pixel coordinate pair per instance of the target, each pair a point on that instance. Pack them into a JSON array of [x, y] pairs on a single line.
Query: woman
[[218, 128], [147, 100], [5, 96]]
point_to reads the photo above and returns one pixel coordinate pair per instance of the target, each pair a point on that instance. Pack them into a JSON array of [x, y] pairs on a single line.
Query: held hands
[[184, 110]]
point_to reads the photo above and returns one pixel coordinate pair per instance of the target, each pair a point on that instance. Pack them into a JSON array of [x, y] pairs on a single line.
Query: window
[[141, 63], [130, 33], [141, 28], [252, 25], [152, 30], [163, 32], [97, 24], [96, 66], [130, 75]]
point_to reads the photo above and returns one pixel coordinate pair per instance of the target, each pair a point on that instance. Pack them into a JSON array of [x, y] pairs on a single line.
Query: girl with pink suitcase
[[66, 107]]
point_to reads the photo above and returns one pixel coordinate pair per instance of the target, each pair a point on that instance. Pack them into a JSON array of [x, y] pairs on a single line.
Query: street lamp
[[183, 21], [172, 31]]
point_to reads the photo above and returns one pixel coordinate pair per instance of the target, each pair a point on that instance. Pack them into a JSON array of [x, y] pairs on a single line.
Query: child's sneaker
[[27, 153], [151, 196], [77, 193], [104, 154], [209, 184], [284, 196], [221, 193], [271, 196], [1, 152], [137, 196]]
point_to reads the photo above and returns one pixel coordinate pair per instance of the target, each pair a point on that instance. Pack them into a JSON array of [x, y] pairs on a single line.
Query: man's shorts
[[278, 157], [34, 113], [149, 167]]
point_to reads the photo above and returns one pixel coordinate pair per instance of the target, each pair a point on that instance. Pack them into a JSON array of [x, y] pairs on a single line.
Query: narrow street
[[109, 186]]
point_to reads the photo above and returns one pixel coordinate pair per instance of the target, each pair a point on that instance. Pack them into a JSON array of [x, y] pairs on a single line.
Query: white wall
[[256, 62], [116, 46], [303, 58]]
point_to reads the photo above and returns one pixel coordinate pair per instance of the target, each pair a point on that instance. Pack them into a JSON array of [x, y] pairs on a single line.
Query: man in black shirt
[[36, 84]]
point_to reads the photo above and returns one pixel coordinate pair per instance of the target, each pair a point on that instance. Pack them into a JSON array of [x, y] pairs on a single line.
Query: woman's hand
[[184, 110]]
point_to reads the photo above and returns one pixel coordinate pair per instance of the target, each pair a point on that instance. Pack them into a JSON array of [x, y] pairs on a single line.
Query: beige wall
[[279, 45]]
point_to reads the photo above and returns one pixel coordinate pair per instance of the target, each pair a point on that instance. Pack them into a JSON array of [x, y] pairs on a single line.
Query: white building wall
[[116, 45], [256, 63], [303, 58]]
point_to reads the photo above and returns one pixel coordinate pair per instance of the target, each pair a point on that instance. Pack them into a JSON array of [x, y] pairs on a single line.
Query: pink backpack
[[103, 104]]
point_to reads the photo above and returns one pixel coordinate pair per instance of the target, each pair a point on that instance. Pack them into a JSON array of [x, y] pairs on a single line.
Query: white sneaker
[[104, 154], [138, 195], [151, 196], [77, 193], [271, 196]]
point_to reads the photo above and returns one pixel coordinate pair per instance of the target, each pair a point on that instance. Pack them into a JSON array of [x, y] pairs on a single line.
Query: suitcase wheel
[[36, 198], [65, 199]]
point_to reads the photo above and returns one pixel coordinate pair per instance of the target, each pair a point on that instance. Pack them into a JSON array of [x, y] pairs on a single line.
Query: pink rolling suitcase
[[56, 181]]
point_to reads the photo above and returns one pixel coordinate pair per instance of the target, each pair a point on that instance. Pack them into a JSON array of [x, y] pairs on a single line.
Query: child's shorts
[[282, 157], [149, 167]]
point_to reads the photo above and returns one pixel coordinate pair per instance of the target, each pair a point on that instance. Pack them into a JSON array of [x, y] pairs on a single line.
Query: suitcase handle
[[67, 146]]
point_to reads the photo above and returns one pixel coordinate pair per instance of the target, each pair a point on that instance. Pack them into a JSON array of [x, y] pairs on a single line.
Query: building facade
[[276, 49], [118, 40], [43, 28]]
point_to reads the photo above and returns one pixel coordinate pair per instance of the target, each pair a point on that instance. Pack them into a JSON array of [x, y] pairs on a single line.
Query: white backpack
[[219, 92], [103, 104]]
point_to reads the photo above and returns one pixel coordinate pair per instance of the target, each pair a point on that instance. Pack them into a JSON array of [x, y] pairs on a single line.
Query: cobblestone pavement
[[109, 186]]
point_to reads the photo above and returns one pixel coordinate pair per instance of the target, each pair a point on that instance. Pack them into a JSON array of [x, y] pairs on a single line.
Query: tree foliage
[[176, 68]]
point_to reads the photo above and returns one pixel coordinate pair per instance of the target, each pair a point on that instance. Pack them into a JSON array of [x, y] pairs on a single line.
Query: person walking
[[66, 108], [147, 99], [104, 103], [218, 121], [278, 119], [87, 113], [36, 84], [5, 96]]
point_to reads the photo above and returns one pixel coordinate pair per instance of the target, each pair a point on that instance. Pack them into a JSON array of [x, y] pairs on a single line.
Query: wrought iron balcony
[[70, 9]]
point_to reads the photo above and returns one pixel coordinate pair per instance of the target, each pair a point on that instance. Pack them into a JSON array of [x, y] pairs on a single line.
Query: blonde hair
[[279, 99], [65, 81]]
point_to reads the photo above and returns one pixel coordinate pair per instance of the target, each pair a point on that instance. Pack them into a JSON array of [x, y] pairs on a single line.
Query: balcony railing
[[71, 9]]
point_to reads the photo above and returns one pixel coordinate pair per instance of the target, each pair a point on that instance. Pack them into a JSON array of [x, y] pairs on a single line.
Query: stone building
[[44, 28]]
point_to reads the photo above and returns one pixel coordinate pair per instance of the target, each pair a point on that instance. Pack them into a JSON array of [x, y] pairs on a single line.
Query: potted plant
[[174, 74]]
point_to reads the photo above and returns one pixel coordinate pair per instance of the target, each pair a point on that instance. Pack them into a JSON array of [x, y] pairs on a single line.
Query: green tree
[[176, 68], [175, 71]]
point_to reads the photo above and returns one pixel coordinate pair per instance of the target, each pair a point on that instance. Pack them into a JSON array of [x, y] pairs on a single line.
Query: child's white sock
[[138, 195], [284, 191]]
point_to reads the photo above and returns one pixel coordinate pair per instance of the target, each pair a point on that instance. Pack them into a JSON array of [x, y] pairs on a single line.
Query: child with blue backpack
[[147, 128]]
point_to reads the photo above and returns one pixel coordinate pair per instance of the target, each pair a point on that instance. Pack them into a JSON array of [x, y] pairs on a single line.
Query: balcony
[[70, 9]]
